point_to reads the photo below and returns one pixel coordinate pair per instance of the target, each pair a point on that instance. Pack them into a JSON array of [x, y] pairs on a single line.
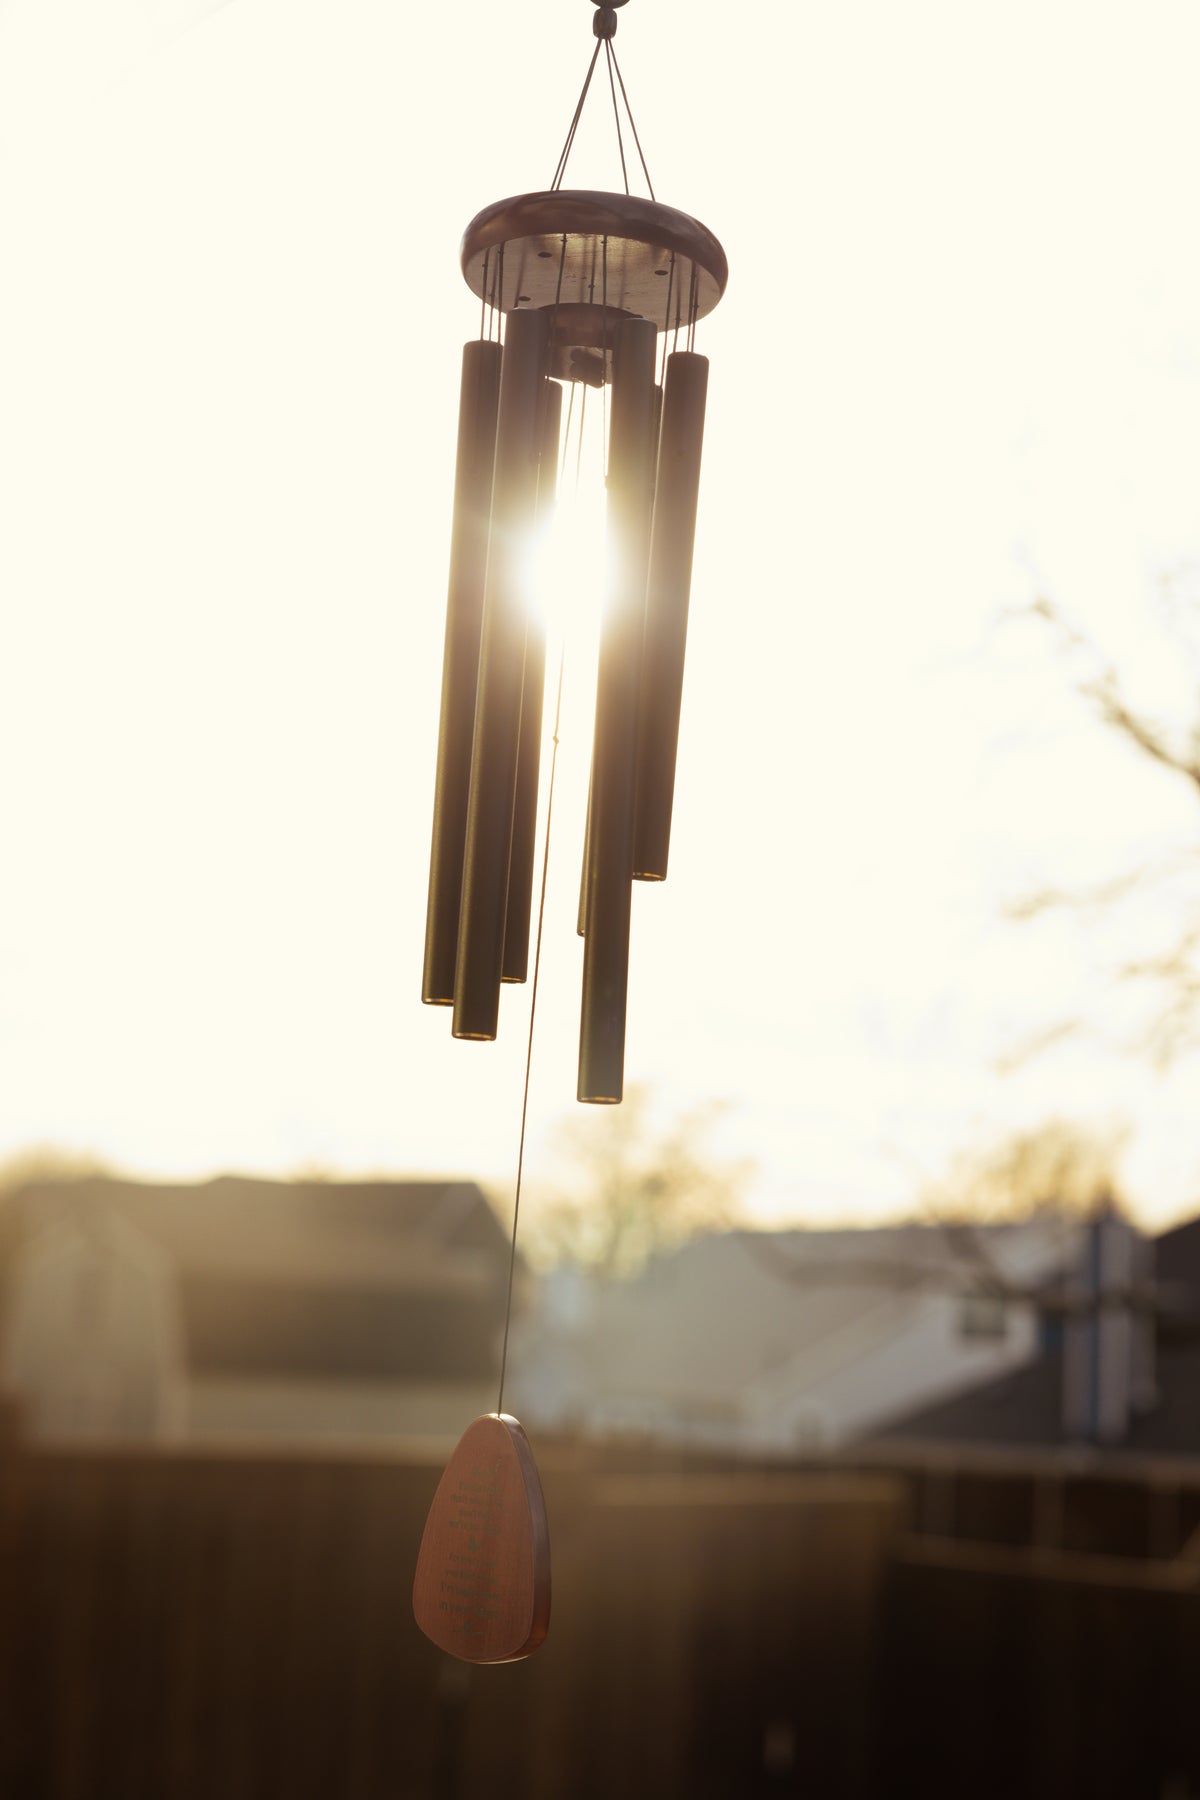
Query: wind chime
[[585, 282]]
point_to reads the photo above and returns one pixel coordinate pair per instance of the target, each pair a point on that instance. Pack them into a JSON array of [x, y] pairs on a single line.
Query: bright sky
[[958, 360]]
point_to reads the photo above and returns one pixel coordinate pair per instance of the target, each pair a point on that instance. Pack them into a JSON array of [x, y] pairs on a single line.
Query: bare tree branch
[[630, 1188], [1035, 1044], [1103, 689], [1037, 902], [1172, 972]]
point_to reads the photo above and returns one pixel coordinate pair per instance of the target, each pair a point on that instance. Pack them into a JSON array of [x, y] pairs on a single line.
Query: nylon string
[[561, 169], [667, 320], [537, 951], [612, 88], [614, 69], [632, 125]]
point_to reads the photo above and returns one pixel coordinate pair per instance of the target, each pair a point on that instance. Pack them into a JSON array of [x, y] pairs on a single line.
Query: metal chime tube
[[667, 594], [501, 673], [524, 827], [460, 663], [655, 435], [610, 830], [655, 423], [581, 915]]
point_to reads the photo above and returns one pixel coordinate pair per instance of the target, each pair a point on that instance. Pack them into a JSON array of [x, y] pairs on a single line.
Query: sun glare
[[569, 559]]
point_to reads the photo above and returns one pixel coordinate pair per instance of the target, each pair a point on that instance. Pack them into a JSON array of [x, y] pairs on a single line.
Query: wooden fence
[[1036, 1673], [200, 1627], [197, 1627]]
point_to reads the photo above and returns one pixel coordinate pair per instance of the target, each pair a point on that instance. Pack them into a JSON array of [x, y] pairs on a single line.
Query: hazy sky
[[958, 363]]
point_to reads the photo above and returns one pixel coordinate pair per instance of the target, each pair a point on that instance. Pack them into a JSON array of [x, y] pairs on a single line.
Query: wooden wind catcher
[[585, 283], [482, 1587]]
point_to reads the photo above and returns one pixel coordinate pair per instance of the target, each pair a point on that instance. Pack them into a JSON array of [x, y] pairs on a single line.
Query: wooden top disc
[[621, 250], [482, 1586]]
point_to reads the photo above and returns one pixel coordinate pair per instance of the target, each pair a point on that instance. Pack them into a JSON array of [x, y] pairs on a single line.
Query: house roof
[[392, 1235], [1177, 1271], [729, 1309], [1025, 1408], [304, 1331], [729, 1312], [379, 1279]]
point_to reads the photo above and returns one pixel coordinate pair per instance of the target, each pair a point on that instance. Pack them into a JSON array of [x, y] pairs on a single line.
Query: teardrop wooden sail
[[482, 1587]]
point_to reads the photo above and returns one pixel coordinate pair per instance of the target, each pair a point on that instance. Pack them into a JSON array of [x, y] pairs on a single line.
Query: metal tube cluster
[[481, 877]]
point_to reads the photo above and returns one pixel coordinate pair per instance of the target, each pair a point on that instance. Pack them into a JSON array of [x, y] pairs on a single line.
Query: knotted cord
[[614, 69]]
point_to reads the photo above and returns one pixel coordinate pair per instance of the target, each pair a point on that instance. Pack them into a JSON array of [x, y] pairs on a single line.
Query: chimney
[[1108, 1340], [1143, 1392]]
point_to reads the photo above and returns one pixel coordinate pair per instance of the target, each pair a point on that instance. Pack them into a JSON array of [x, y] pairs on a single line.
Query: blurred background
[[860, 1348]]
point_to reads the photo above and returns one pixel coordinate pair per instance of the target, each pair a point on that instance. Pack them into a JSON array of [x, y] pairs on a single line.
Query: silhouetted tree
[[627, 1185], [1054, 1170]]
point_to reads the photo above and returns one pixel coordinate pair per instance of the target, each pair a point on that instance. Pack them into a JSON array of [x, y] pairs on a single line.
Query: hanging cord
[[604, 35], [579, 451], [490, 302], [612, 88], [537, 965], [607, 358], [662, 374], [537, 952], [632, 125], [561, 170], [562, 467]]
